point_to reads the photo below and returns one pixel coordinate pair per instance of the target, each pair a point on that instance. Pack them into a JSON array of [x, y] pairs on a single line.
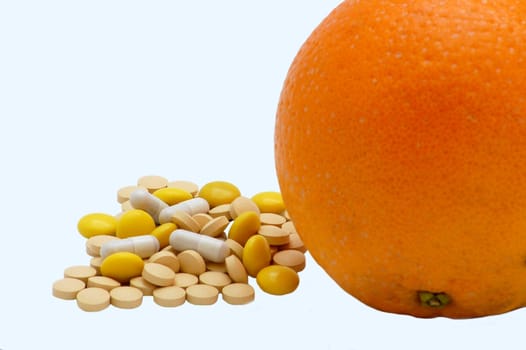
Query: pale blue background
[[94, 94]]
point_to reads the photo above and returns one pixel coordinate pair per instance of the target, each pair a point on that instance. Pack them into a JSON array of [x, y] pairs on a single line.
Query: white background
[[94, 94]]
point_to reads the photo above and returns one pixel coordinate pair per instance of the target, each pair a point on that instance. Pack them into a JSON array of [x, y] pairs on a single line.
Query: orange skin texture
[[400, 148]]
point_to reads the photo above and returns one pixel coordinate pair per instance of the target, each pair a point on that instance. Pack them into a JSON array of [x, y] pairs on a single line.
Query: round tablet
[[295, 243], [185, 221], [241, 205], [96, 263], [274, 235], [188, 186], [215, 279], [184, 280], [167, 259], [215, 227], [289, 227], [272, 219], [202, 218], [171, 296], [145, 287], [213, 266], [235, 247], [94, 243], [126, 297], [235, 269], [67, 288], [93, 299], [291, 258], [238, 293], [201, 294], [123, 194], [80, 272], [102, 282], [158, 274], [191, 262], [221, 210], [152, 182]]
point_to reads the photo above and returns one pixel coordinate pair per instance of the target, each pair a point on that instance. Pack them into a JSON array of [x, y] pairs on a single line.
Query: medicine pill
[[171, 296], [272, 219], [241, 205], [126, 297], [220, 210], [201, 294], [135, 222], [97, 224], [219, 192], [122, 266], [277, 280], [269, 202], [215, 279], [244, 226], [67, 288], [191, 262], [274, 235], [235, 248], [188, 186], [191, 207], [93, 299], [102, 282], [235, 269], [185, 221], [167, 259], [238, 293], [142, 199], [163, 232], [124, 193], [202, 218], [295, 243], [215, 227], [158, 274], [172, 195], [80, 272], [184, 280], [144, 246], [94, 243], [291, 258], [210, 248], [256, 254], [152, 182], [143, 285]]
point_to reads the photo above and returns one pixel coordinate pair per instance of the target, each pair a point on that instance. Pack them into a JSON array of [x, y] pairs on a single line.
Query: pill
[[158, 275], [152, 182], [184, 280], [126, 297], [191, 207], [295, 243], [142, 199], [94, 243], [291, 258], [188, 186], [201, 294], [172, 195], [202, 218], [269, 202], [215, 227], [289, 227], [122, 266], [96, 263], [167, 259], [143, 285], [97, 224], [135, 222], [277, 279], [191, 262], [185, 221], [125, 206], [244, 226], [274, 235], [235, 248], [144, 246], [67, 288], [213, 266], [219, 192], [241, 205], [215, 279], [93, 299], [272, 219], [171, 296], [256, 254], [102, 282], [210, 248], [123, 194], [80, 272], [286, 214], [163, 232], [238, 293], [220, 210], [235, 269]]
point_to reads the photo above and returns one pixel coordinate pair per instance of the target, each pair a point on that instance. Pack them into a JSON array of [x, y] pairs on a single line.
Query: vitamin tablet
[[235, 269], [213, 266], [123, 194], [125, 206], [171, 296], [201, 294], [185, 280], [191, 262], [143, 285], [238, 293], [94, 243], [80, 272], [144, 200], [185, 221], [215, 227], [158, 274], [220, 210], [67, 288], [163, 232], [144, 246], [102, 282], [93, 299], [295, 243], [274, 235], [96, 262], [269, 202], [122, 266], [277, 280], [272, 219], [126, 297], [191, 207], [256, 254], [172, 195], [135, 222], [97, 224], [152, 182], [241, 205], [210, 248], [289, 227], [167, 259], [188, 186], [291, 258], [219, 192], [235, 248], [215, 279], [202, 219], [244, 226]]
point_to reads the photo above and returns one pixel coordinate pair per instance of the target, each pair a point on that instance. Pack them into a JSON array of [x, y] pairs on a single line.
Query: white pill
[[144, 246], [144, 200], [210, 248], [191, 206]]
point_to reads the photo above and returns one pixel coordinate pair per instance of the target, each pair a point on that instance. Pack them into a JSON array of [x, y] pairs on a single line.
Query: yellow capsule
[[172, 195], [269, 202], [95, 224], [134, 222], [122, 266], [256, 254], [277, 279], [244, 226], [219, 192], [163, 232]]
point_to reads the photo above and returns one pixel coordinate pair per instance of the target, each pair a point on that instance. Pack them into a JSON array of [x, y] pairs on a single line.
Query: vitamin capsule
[[95, 224], [256, 254], [172, 195], [192, 206], [135, 222], [277, 280], [269, 202], [122, 266], [210, 248], [142, 199], [144, 246], [244, 226], [219, 192]]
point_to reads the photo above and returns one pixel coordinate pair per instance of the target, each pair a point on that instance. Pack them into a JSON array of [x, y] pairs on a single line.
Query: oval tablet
[[134, 222], [122, 266], [185, 221], [274, 235], [269, 202], [102, 282], [241, 205], [67, 288], [238, 293], [172, 195], [97, 224], [277, 280], [126, 297], [184, 280], [235, 269], [215, 279], [187, 186], [256, 254], [244, 226], [215, 227], [220, 210], [167, 259], [192, 262], [93, 299], [201, 294], [80, 272], [219, 192], [169, 296], [158, 274], [272, 219]]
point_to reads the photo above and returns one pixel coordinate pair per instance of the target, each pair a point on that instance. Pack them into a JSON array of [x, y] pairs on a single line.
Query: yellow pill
[[244, 226], [95, 224], [163, 232], [134, 222], [122, 266], [256, 254], [172, 195], [269, 202], [277, 280], [219, 192]]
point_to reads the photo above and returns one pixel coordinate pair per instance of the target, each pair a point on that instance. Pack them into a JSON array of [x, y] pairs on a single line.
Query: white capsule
[[210, 248], [191, 206], [142, 199], [144, 246]]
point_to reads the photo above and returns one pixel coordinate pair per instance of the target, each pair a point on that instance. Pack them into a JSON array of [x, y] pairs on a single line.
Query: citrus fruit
[[400, 148]]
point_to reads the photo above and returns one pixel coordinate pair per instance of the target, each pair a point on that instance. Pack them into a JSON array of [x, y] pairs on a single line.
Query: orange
[[400, 148]]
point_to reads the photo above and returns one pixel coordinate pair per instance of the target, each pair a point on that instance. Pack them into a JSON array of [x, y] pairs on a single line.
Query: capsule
[[144, 200], [191, 206], [210, 248], [143, 246]]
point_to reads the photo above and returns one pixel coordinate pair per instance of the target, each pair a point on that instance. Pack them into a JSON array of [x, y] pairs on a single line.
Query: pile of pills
[[177, 242]]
